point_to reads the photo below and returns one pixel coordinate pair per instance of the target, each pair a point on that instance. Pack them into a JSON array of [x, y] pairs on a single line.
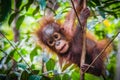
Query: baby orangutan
[[66, 41]]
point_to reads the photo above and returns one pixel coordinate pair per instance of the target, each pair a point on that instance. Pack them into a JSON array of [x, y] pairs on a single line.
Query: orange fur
[[47, 20], [93, 46], [100, 43], [44, 21]]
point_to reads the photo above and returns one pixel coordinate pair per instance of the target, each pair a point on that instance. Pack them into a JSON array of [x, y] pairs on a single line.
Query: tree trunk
[[15, 30]]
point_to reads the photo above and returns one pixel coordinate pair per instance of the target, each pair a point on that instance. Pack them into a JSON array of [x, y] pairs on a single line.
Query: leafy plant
[[24, 60]]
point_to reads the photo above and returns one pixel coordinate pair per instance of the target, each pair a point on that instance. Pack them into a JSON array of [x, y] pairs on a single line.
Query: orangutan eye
[[56, 36], [50, 42]]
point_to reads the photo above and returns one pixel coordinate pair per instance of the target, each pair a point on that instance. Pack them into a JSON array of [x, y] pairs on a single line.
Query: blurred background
[[21, 58]]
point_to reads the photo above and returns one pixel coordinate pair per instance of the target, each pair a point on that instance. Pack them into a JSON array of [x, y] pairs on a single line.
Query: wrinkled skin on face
[[55, 39]]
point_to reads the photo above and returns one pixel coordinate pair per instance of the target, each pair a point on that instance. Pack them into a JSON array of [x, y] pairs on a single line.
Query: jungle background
[[21, 58]]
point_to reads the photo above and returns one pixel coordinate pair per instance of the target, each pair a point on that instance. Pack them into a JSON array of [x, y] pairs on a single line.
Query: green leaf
[[33, 53], [10, 55], [111, 3], [66, 77], [58, 16], [12, 76], [3, 76], [66, 66], [24, 75], [91, 4], [75, 75], [35, 71], [1, 60], [33, 66], [28, 4], [36, 10], [5, 6], [92, 77], [11, 18], [97, 2], [45, 78], [57, 77], [101, 12], [50, 64], [22, 65], [18, 3], [35, 77], [23, 51], [17, 73], [42, 4], [19, 21], [10, 64]]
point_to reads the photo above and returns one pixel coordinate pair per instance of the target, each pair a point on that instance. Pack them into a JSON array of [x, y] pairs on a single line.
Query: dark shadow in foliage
[[5, 6]]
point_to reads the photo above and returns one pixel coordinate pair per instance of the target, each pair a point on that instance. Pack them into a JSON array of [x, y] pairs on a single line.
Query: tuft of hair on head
[[44, 21]]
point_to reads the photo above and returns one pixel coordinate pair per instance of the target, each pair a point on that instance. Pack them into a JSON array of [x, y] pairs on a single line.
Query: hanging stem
[[76, 13], [83, 47], [82, 59]]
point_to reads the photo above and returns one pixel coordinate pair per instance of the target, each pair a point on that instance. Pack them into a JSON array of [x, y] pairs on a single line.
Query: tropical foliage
[[21, 58]]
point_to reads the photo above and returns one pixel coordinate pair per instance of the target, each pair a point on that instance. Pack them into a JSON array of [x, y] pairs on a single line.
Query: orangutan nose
[[57, 43]]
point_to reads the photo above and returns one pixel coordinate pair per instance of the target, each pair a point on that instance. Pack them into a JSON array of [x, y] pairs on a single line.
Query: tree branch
[[16, 50], [82, 59], [84, 45], [76, 13]]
